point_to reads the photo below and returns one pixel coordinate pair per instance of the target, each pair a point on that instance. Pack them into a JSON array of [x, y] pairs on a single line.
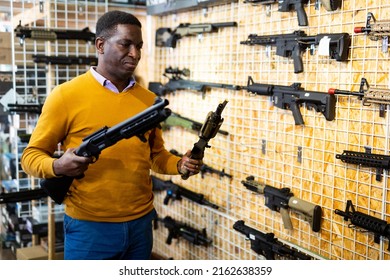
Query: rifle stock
[[57, 188]]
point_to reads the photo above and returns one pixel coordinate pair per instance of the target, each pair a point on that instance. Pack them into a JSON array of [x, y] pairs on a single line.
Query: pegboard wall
[[264, 141]]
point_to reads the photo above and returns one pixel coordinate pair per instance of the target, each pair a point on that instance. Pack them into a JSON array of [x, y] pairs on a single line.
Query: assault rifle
[[66, 60], [367, 159], [176, 82], [35, 33], [281, 200], [287, 6], [292, 97], [208, 131], [369, 95], [329, 5], [166, 37], [178, 120], [21, 196], [176, 192], [376, 30], [177, 229], [93, 144], [205, 168], [377, 226], [25, 108], [266, 244], [292, 45]]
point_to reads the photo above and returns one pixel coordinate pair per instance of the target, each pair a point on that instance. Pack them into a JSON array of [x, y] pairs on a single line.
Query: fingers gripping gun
[[58, 187], [281, 200], [377, 226], [208, 131]]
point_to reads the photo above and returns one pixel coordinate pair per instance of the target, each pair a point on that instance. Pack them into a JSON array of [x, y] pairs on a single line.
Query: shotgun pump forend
[[377, 226], [294, 96], [92, 145], [281, 200], [208, 131], [267, 245]]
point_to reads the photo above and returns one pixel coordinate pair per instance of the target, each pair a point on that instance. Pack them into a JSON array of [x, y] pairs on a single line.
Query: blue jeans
[[85, 240]]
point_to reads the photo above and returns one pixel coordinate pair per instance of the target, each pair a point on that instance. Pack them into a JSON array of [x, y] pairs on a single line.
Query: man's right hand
[[70, 164]]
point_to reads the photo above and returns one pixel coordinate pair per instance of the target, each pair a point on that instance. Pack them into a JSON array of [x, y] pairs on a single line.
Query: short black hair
[[108, 22]]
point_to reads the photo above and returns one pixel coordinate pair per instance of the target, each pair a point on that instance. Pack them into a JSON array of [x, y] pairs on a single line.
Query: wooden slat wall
[[263, 140]]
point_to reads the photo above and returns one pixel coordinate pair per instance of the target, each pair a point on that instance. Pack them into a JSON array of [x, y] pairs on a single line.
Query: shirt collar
[[107, 83]]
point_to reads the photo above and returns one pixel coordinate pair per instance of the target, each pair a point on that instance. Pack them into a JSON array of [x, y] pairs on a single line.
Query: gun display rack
[[262, 139], [265, 142]]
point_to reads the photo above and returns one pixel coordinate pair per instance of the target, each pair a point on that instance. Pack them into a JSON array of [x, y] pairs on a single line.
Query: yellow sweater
[[117, 187]]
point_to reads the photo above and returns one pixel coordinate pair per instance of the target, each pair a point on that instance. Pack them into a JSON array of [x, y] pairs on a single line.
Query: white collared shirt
[[108, 84]]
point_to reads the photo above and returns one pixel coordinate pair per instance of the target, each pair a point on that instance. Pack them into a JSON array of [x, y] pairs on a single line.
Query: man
[[108, 212]]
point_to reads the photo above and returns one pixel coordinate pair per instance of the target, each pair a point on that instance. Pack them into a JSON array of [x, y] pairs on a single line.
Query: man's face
[[122, 51]]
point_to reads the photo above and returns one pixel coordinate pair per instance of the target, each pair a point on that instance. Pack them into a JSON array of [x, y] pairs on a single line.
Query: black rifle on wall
[[294, 96], [176, 192], [177, 82], [376, 29], [281, 200], [290, 5], [377, 226], [20, 196], [178, 120], [287, 6], [25, 108], [66, 60], [369, 95], [178, 229], [48, 34], [93, 144], [206, 168], [366, 159], [208, 131], [166, 37], [293, 44], [267, 245]]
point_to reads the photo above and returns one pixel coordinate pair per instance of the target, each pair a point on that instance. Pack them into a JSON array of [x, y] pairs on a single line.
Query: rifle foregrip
[[57, 187]]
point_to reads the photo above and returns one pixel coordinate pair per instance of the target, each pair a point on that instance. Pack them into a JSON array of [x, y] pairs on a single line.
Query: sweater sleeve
[[37, 157], [163, 161]]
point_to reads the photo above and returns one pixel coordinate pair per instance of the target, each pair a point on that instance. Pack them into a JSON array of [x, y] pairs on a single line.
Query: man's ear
[[99, 44]]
